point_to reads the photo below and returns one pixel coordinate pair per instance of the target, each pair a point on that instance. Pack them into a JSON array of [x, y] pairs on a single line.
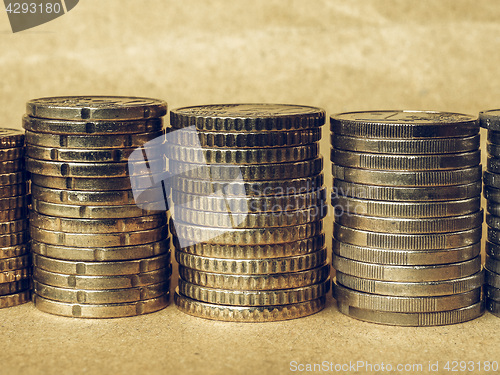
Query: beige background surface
[[341, 55]]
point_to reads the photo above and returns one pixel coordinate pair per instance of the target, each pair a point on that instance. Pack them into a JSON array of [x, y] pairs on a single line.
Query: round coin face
[[96, 107], [405, 117]]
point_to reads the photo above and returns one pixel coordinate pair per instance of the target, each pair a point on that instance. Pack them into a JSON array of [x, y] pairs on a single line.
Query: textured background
[[340, 55]]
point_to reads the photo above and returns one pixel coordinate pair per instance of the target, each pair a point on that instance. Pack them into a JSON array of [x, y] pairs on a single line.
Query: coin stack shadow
[[490, 120], [96, 254], [15, 263], [407, 229], [248, 209]]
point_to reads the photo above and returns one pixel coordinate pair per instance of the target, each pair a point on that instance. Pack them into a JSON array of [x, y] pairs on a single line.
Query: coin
[[247, 139], [404, 124], [405, 146], [255, 282], [101, 282], [493, 150], [8, 227], [390, 209], [14, 214], [14, 153], [489, 119], [242, 156], [11, 166], [249, 189], [13, 239], [493, 307], [264, 251], [492, 278], [248, 313], [88, 184], [84, 198], [493, 221], [272, 171], [493, 165], [409, 194], [98, 240], [492, 179], [16, 263], [106, 127], [492, 293], [414, 319], [104, 155], [128, 267], [493, 250], [14, 251], [493, 235], [411, 226], [405, 257], [100, 296], [405, 162], [418, 289], [13, 203], [80, 225], [407, 178], [252, 266], [10, 138], [251, 220], [96, 170], [492, 264], [9, 191], [405, 304], [390, 241], [101, 254], [118, 310], [86, 212], [493, 137], [256, 236], [439, 272], [253, 298], [248, 117], [492, 194], [90, 141], [96, 108], [273, 203], [15, 299], [14, 287], [14, 275]]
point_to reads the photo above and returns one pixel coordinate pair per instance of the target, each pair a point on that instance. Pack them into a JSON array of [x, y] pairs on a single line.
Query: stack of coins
[[491, 121], [407, 229], [248, 208], [96, 254], [15, 264]]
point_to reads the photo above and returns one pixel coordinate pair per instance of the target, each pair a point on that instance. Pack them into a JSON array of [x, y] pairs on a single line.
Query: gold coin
[[15, 299]]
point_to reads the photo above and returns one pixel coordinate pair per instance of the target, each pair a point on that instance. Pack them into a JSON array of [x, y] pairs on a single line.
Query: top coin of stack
[[96, 253], [491, 121], [248, 209], [408, 221], [15, 261]]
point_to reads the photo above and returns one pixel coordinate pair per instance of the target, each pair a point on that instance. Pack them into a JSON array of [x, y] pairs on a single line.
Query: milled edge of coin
[[410, 225], [115, 268], [488, 120], [264, 251], [94, 127], [382, 272], [118, 310], [384, 162], [408, 178], [96, 107], [253, 297], [248, 314], [100, 254], [102, 282], [406, 194], [79, 155], [15, 263], [405, 257], [108, 296], [491, 179], [493, 306], [197, 234], [256, 282], [490, 292], [15, 299], [388, 241], [411, 289], [254, 266], [13, 239], [14, 286], [492, 264], [15, 275], [242, 156], [491, 278], [11, 153], [10, 138], [244, 140], [256, 117], [250, 189], [405, 146], [83, 198], [414, 319], [368, 207], [405, 304], [493, 250]]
